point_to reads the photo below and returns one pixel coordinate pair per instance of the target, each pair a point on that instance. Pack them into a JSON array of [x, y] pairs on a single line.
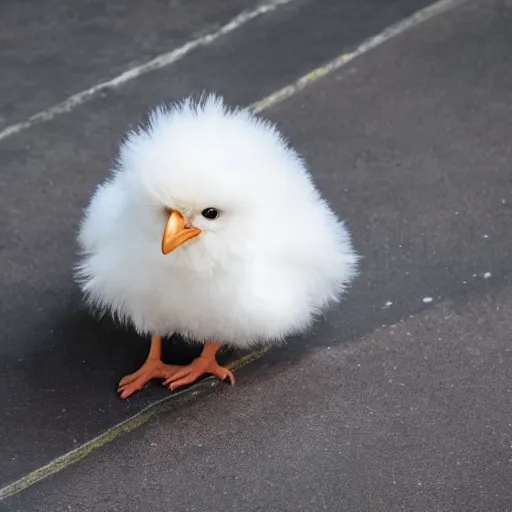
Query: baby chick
[[210, 227]]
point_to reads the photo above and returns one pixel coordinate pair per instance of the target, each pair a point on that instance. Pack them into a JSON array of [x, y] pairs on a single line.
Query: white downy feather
[[274, 258]]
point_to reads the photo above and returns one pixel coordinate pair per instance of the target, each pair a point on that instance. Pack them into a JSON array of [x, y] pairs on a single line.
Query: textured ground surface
[[393, 403]]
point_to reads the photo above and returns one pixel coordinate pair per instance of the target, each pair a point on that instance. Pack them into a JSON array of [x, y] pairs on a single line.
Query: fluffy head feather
[[275, 256]]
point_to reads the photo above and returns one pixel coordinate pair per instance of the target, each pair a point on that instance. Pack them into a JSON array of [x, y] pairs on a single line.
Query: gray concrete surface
[[58, 365], [410, 417], [50, 50], [384, 407]]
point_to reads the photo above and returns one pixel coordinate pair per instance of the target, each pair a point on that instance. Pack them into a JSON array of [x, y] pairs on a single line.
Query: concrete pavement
[[49, 342], [411, 144]]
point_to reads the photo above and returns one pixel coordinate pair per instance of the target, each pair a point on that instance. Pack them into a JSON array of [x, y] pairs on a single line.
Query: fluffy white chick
[[210, 227]]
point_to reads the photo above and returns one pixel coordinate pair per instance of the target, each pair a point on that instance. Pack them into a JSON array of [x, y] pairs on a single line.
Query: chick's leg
[[153, 368], [205, 363]]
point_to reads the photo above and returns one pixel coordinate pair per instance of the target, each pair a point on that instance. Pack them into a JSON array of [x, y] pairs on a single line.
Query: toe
[[177, 376], [231, 378], [131, 387], [188, 379], [180, 373], [128, 378], [127, 390], [224, 373]]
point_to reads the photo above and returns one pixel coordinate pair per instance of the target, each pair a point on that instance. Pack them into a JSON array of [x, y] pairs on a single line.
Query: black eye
[[210, 213]]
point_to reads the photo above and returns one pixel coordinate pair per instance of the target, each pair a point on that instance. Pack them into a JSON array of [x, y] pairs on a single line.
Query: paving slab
[[50, 50], [58, 365], [415, 416], [411, 143]]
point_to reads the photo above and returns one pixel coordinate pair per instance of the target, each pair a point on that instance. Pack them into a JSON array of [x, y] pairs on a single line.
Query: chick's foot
[[151, 369], [194, 370]]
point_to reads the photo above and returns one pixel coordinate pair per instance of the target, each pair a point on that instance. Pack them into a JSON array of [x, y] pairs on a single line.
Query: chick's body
[[270, 256]]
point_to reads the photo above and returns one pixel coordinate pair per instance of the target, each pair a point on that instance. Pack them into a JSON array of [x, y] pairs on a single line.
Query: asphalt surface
[[399, 400], [59, 366]]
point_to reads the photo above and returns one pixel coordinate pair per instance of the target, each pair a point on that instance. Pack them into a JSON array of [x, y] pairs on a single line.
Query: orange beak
[[176, 233]]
